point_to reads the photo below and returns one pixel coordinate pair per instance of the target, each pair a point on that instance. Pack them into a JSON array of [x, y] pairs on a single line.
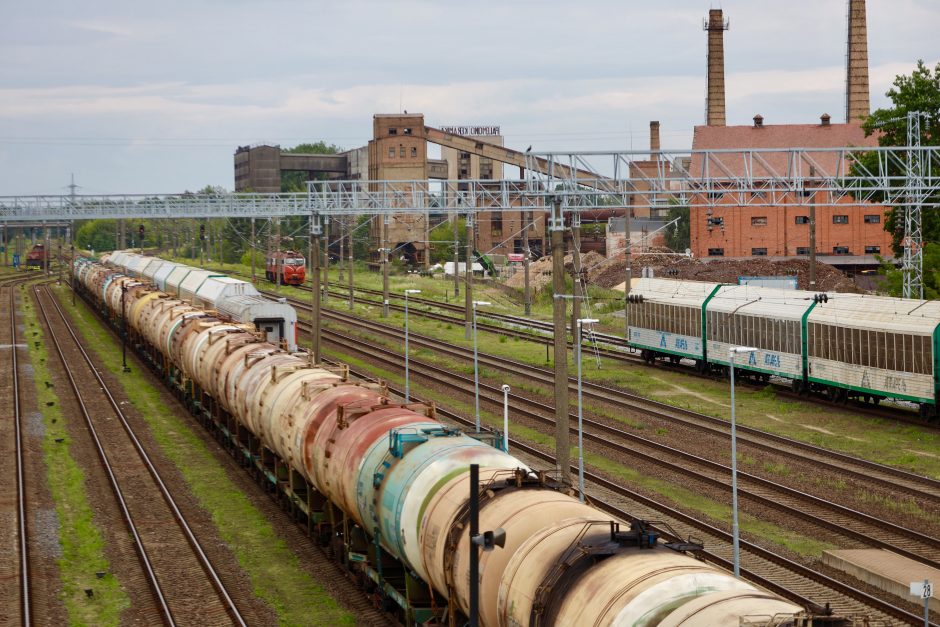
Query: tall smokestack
[[857, 103], [715, 101], [654, 139]]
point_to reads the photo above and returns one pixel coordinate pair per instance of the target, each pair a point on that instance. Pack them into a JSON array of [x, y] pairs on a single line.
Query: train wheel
[[675, 359]]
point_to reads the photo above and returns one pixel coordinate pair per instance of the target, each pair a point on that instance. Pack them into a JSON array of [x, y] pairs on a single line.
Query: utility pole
[[342, 247], [629, 273], [326, 259], [314, 256], [812, 244], [351, 255], [562, 448], [468, 274], [47, 253], [385, 262], [575, 271], [278, 268], [456, 255], [251, 252], [526, 220]]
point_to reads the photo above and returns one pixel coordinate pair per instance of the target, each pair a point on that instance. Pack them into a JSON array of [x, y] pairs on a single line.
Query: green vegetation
[[918, 92], [275, 571], [677, 236], [81, 540]]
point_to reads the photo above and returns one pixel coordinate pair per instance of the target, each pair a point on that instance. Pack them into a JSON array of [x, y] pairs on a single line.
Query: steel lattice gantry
[[581, 181]]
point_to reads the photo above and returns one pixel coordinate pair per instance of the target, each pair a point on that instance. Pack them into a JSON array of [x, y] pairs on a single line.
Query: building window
[[716, 252], [391, 152], [393, 131], [759, 252], [802, 250], [873, 219], [802, 219], [496, 224], [806, 193], [840, 250], [414, 152], [401, 152], [407, 131], [873, 250], [840, 219], [759, 221], [758, 195], [716, 195]]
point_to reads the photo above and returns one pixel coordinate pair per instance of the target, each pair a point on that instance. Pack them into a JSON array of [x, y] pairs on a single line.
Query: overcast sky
[[138, 97]]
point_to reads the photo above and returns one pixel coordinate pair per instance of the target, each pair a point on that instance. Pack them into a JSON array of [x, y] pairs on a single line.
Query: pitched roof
[[774, 136]]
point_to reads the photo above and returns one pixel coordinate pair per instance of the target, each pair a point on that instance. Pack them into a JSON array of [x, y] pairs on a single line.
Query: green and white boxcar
[[873, 347], [668, 322], [768, 319]]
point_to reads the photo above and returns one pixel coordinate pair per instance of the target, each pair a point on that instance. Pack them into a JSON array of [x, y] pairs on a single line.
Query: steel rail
[[806, 572], [893, 478], [25, 599], [191, 539], [544, 413]]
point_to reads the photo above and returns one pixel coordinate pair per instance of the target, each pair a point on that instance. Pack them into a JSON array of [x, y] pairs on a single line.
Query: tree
[[918, 92], [442, 238], [677, 236]]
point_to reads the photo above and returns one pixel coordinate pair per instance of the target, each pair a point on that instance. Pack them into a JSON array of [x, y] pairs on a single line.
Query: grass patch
[[275, 571], [80, 539]]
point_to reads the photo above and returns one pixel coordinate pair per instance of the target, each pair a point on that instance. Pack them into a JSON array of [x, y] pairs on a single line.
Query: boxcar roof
[[878, 313], [768, 302], [674, 292]]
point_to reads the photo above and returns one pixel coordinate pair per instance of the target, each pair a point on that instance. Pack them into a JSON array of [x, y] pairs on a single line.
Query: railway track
[[795, 581], [803, 453], [856, 527], [610, 347], [175, 572], [15, 572]]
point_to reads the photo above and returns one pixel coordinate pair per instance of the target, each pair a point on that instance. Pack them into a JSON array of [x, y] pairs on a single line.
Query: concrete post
[[526, 219], [468, 275], [576, 287], [251, 251], [385, 262], [326, 260], [562, 447], [342, 249], [812, 245], [351, 284], [314, 257], [628, 258], [456, 255]]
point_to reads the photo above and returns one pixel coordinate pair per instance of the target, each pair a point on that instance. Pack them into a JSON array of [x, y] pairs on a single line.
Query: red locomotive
[[288, 264], [36, 258]]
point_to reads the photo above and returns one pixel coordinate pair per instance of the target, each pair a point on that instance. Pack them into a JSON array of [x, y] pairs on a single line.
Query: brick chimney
[[654, 139], [857, 103], [715, 100], [758, 121], [825, 119]]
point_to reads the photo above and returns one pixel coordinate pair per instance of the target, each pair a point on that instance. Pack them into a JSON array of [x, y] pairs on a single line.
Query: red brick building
[[733, 229]]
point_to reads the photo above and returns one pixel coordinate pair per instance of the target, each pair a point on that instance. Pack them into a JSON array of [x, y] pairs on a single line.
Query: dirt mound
[[608, 273]]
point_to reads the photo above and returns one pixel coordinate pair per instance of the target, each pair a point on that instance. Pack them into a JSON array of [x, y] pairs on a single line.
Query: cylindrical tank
[[725, 609]]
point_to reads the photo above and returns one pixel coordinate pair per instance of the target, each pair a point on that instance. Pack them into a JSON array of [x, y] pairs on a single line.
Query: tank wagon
[[232, 298], [387, 486], [840, 346], [285, 267]]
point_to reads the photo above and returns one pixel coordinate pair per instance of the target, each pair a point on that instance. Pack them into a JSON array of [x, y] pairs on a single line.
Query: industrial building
[[848, 234]]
